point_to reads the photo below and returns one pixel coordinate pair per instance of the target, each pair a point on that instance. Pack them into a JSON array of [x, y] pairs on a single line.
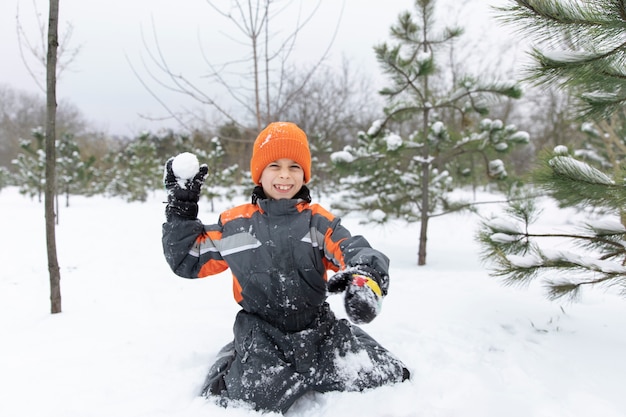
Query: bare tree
[[257, 81], [50, 190], [36, 49]]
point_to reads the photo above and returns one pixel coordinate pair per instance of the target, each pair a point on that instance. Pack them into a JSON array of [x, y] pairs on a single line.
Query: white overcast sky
[[102, 85]]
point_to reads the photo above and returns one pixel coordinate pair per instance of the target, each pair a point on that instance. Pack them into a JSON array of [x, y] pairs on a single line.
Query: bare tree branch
[[38, 49], [260, 90]]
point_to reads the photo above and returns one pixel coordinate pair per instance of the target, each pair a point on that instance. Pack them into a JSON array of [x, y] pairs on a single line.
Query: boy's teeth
[[283, 187]]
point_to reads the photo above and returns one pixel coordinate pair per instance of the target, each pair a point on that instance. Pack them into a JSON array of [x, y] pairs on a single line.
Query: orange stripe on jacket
[[334, 249], [244, 211], [211, 234], [329, 266], [237, 290], [317, 209], [331, 246], [213, 266]]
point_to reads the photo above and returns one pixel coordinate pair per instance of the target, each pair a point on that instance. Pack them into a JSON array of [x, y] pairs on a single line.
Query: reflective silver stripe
[[241, 248], [226, 246], [199, 248], [314, 237]]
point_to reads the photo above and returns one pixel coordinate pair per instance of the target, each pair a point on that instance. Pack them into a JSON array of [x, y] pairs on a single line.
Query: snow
[[496, 168], [526, 261], [520, 137], [134, 340], [341, 156], [393, 141], [503, 238], [185, 165], [377, 216], [438, 128], [606, 225], [569, 166], [423, 57], [561, 150], [375, 128], [505, 224]]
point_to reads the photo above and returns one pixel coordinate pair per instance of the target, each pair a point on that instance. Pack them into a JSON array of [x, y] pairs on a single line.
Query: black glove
[[364, 289], [183, 194]]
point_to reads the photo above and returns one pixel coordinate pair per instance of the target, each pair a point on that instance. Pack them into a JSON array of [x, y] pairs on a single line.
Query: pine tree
[[219, 177], [5, 178], [31, 165], [323, 178], [135, 170], [74, 175], [589, 179], [408, 176], [584, 48], [597, 247]]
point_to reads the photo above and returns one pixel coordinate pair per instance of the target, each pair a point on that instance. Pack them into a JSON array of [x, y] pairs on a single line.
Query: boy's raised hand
[[183, 178]]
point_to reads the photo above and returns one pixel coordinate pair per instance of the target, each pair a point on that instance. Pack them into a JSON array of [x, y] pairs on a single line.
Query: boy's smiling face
[[282, 179]]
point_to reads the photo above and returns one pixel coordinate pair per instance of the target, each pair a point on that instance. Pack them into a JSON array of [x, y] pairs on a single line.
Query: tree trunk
[[421, 255], [50, 189], [425, 206]]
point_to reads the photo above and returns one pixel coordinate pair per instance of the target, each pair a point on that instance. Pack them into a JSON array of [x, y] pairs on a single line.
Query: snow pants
[[271, 369]]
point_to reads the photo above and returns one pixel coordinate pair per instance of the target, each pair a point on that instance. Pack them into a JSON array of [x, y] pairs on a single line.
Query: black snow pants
[[270, 369]]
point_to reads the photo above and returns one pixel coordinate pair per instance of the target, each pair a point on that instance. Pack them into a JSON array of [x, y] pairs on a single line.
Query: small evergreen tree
[[220, 177], [135, 170], [385, 171], [322, 178], [74, 175], [408, 177], [5, 177], [31, 166]]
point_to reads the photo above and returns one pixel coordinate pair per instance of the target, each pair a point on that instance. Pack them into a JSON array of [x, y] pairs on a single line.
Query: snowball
[[185, 165]]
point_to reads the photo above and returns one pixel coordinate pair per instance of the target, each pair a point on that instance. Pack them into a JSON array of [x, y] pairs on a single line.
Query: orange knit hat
[[280, 140]]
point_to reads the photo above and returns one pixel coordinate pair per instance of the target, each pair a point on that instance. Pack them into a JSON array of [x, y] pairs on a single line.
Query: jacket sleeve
[[346, 251], [189, 248]]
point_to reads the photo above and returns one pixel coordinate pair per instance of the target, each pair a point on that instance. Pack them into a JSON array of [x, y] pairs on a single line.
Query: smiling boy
[[279, 248]]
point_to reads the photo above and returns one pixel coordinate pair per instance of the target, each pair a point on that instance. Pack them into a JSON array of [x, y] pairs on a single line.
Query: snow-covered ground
[[134, 340]]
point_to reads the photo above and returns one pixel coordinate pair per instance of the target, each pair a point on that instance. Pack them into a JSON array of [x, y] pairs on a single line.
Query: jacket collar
[[303, 195]]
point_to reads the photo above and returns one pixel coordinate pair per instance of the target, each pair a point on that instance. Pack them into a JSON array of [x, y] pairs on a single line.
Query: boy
[[287, 341]]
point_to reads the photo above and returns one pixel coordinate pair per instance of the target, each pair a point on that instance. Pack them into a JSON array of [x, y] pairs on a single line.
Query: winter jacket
[[287, 341], [278, 251]]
